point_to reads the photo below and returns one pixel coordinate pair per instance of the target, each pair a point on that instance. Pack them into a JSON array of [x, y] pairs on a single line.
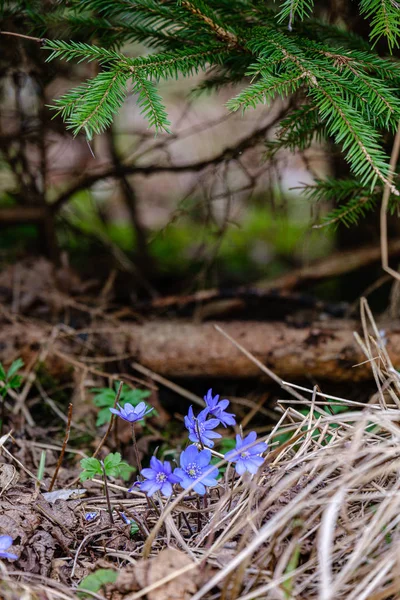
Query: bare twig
[[65, 442], [384, 206], [110, 425]]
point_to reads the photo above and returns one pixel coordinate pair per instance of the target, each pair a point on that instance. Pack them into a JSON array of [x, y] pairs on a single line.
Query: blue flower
[[125, 519], [200, 429], [247, 454], [217, 408], [132, 413], [194, 463], [159, 477], [5, 542], [90, 516]]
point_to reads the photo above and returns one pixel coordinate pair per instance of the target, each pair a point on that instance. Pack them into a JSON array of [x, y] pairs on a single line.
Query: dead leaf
[[8, 477], [148, 572], [182, 587], [65, 494]]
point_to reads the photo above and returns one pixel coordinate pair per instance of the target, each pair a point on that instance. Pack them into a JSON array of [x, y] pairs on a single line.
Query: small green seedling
[[113, 467], [104, 399], [95, 581], [9, 380]]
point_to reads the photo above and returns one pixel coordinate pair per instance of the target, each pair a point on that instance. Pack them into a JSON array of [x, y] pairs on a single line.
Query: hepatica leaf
[[95, 581], [115, 467], [125, 470], [111, 463], [91, 467]]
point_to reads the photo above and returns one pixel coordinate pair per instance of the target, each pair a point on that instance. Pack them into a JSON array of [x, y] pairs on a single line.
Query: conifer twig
[[222, 33]]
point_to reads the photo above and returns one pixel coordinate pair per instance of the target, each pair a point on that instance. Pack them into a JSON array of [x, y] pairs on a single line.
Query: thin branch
[[26, 37], [65, 442], [229, 153], [107, 433], [384, 206]]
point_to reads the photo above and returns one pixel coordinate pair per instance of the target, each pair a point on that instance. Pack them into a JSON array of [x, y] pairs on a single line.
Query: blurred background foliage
[[240, 218]]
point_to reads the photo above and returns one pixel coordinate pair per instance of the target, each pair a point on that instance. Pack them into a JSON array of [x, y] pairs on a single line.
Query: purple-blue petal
[[199, 488], [239, 441], [212, 434], [179, 474], [240, 467], [5, 542], [193, 437], [211, 423], [156, 464], [231, 455], [188, 456], [150, 487], [258, 448], [149, 473], [250, 439], [209, 481], [8, 555], [185, 480], [207, 441], [203, 414], [223, 404], [166, 488], [204, 457]]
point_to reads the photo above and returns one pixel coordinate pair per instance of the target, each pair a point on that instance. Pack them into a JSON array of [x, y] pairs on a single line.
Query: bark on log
[[325, 350]]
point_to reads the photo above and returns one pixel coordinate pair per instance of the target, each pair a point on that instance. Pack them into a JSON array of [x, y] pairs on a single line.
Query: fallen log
[[324, 350]]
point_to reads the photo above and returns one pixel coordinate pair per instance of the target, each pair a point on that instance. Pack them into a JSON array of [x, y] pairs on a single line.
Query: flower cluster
[[195, 470], [201, 427]]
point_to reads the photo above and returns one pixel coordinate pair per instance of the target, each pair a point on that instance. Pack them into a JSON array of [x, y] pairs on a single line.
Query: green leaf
[[125, 470], [111, 464], [91, 467], [134, 529], [112, 460], [135, 396], [16, 366], [103, 417], [3, 375], [95, 581], [103, 397], [15, 381]]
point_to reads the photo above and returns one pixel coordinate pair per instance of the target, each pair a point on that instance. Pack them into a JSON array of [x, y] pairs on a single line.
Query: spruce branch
[[385, 20], [206, 15], [360, 141], [265, 90], [290, 9], [151, 104], [92, 107]]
